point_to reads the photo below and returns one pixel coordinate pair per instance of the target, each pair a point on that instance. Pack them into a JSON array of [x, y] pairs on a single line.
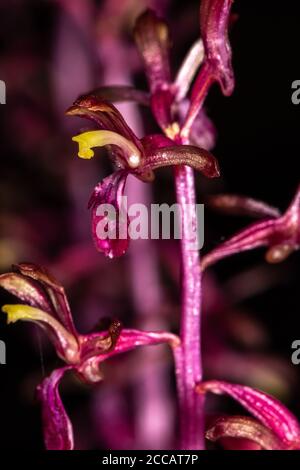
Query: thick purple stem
[[189, 366]]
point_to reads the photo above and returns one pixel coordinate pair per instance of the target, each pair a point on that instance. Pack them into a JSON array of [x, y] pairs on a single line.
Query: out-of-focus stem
[[189, 366]]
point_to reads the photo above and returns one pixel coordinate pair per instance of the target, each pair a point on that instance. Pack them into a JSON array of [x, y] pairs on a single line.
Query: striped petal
[[57, 427], [109, 220], [214, 20], [244, 427], [65, 343], [54, 290], [152, 38], [269, 411]]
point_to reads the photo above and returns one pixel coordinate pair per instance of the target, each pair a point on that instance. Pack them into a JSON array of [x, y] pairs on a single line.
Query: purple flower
[[45, 304], [280, 233], [139, 157], [269, 411]]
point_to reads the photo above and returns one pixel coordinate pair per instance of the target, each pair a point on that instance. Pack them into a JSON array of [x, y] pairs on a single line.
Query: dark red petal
[[241, 205], [104, 114], [264, 407], [161, 104], [214, 19], [58, 431], [55, 291], [152, 38], [119, 93], [114, 241], [244, 427]]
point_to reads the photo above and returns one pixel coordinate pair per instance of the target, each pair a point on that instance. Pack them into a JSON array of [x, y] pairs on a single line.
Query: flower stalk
[[190, 405]]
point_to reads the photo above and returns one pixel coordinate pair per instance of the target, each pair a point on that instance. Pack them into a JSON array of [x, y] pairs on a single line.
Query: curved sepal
[[105, 115], [152, 39], [27, 290], [244, 427], [214, 20], [57, 427], [268, 410], [109, 219]]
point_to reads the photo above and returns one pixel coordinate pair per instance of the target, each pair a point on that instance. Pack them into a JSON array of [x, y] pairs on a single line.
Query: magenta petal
[[214, 19], [269, 411], [110, 236], [244, 427], [127, 341], [152, 39], [130, 339], [58, 431]]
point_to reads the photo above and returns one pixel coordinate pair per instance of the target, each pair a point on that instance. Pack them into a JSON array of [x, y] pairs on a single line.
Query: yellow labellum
[[91, 139], [27, 313]]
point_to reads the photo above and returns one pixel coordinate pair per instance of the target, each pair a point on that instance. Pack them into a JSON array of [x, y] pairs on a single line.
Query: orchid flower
[[280, 233], [139, 157], [46, 304], [170, 107], [269, 411]]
